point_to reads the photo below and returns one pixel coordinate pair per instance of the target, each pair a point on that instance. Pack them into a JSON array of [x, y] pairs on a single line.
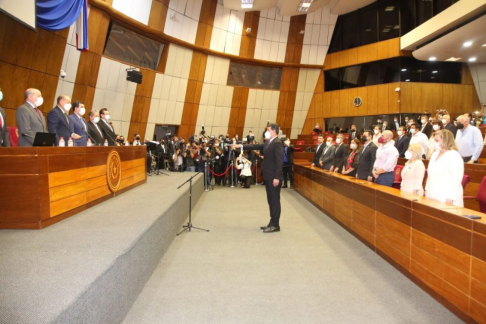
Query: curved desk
[[428, 241]]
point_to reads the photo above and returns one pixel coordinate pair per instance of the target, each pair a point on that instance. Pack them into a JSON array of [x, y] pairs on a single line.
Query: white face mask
[[353, 146], [444, 121], [328, 143], [436, 127], [39, 101], [96, 120], [82, 111], [399, 133], [267, 134], [377, 131], [408, 155], [338, 140], [287, 143], [437, 146], [67, 107], [107, 117], [423, 121], [412, 130]]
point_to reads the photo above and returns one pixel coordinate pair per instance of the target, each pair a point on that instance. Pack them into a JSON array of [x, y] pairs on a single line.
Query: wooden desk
[[40, 186], [429, 241]]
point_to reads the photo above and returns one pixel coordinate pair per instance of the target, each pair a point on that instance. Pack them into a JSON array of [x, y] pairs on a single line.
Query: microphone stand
[[189, 226]]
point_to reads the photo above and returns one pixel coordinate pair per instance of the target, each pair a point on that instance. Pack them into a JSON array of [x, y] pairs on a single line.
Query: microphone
[[110, 138], [91, 138]]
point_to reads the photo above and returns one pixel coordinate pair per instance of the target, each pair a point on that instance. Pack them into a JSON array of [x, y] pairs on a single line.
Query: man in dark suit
[[340, 154], [107, 127], [426, 126], [288, 164], [395, 125], [4, 135], [385, 126], [446, 120], [353, 133], [327, 156], [320, 148], [58, 121], [250, 137], [94, 131], [78, 124], [30, 119], [273, 151], [402, 141], [367, 158]]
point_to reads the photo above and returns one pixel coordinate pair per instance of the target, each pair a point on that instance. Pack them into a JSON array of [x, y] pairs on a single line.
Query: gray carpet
[[312, 272], [91, 267]]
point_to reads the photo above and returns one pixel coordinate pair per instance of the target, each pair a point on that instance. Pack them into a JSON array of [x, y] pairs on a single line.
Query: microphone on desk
[[91, 139]]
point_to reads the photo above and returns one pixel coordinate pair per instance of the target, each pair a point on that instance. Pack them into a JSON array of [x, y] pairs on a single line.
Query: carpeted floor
[[313, 271]]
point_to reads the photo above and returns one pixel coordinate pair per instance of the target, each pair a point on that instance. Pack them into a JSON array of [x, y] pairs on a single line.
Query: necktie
[[37, 112], [99, 130]]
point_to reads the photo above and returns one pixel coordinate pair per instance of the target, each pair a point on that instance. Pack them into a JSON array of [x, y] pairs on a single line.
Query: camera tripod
[[189, 226]]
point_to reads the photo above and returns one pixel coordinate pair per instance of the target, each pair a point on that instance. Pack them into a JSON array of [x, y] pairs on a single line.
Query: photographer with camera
[[177, 159], [190, 155], [218, 166]]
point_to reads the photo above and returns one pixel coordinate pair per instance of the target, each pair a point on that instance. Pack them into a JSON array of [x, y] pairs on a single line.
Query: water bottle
[[89, 142], [127, 144], [61, 142], [70, 142], [106, 142]]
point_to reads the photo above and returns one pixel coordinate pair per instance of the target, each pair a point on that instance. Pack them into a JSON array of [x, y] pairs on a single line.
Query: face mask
[[437, 146], [353, 146], [107, 117], [377, 131], [96, 120], [410, 123], [412, 130], [287, 143], [395, 120], [365, 139], [267, 134], [338, 140], [423, 121], [67, 107], [1, 95], [385, 125], [39, 101], [137, 138], [82, 111], [328, 143], [436, 127], [444, 121], [460, 126], [381, 140], [408, 155], [399, 133]]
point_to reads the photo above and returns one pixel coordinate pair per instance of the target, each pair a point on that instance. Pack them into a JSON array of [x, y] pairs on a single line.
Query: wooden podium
[[40, 186]]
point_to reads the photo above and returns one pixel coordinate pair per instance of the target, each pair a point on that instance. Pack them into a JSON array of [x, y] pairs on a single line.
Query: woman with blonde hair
[[413, 172], [445, 171]]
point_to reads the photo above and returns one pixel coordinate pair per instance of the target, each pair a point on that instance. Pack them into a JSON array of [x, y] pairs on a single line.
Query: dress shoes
[[283, 187], [271, 229], [264, 227]]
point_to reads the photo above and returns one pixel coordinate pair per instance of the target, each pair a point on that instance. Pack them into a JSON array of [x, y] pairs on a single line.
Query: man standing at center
[[273, 151]]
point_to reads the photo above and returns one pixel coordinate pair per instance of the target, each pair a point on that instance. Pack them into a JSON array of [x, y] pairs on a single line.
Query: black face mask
[[460, 126], [137, 138], [365, 139]]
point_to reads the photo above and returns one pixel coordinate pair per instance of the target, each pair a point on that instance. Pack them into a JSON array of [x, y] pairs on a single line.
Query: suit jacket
[[427, 130], [29, 123], [366, 161], [57, 121], [273, 161], [402, 145], [4, 135], [355, 135], [108, 133], [394, 126], [451, 128], [79, 127], [388, 127], [340, 155], [327, 157], [318, 154], [96, 138], [290, 154]]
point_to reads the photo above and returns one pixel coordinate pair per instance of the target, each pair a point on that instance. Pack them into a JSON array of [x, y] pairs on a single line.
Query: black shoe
[[271, 229], [264, 227], [284, 187], [291, 188]]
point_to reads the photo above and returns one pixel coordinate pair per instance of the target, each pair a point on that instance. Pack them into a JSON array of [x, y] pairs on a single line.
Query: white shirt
[[386, 157], [107, 124], [421, 139], [444, 177], [413, 177], [470, 142]]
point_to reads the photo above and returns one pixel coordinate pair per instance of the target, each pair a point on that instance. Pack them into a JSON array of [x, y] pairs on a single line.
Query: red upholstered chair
[[398, 176], [14, 139], [465, 181], [314, 137], [315, 142], [346, 136], [297, 149], [481, 196], [300, 143]]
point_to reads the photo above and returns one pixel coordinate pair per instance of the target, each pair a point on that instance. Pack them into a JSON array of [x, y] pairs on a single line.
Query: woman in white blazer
[[413, 172], [445, 171]]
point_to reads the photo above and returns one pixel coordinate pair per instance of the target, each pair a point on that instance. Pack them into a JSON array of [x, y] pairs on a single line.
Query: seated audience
[[340, 154], [419, 138], [402, 141], [318, 128], [445, 171], [367, 157], [386, 160], [436, 126], [376, 134], [446, 121], [413, 172], [351, 163], [469, 140], [327, 156]]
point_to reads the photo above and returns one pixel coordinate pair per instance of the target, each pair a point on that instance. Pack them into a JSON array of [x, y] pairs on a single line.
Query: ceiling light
[[435, 71], [453, 59], [484, 45], [472, 59], [404, 70], [390, 8], [246, 4], [432, 58], [408, 80], [306, 4], [385, 31], [467, 44]]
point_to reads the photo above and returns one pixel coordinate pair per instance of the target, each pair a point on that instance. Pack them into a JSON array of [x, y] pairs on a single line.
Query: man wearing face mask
[[30, 119], [446, 121], [136, 140], [469, 140], [107, 127], [426, 126], [94, 131], [353, 133], [402, 141], [79, 124], [340, 154], [273, 151], [288, 163], [395, 125], [367, 157], [4, 135], [386, 160], [419, 138], [327, 157], [58, 121], [319, 149]]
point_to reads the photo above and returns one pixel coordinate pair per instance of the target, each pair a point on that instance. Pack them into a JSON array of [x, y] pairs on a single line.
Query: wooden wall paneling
[[141, 104], [97, 21], [382, 50], [158, 14], [406, 97], [248, 40], [362, 110], [432, 96], [417, 103], [335, 106], [393, 98], [326, 105], [353, 58], [206, 22], [382, 105], [295, 40]]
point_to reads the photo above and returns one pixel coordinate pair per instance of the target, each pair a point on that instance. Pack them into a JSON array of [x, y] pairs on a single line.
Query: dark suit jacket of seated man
[[273, 152]]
